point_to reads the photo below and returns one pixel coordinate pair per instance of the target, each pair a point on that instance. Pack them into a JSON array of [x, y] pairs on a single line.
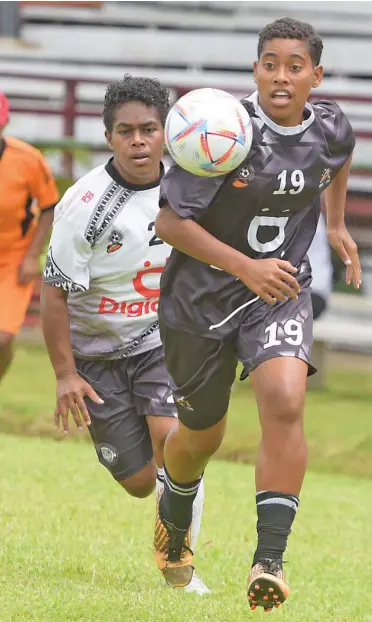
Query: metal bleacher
[[186, 45]]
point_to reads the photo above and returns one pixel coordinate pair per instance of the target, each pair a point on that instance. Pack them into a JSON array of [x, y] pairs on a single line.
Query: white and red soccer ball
[[208, 132]]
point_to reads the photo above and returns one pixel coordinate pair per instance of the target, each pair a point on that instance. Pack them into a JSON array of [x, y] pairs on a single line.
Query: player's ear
[[255, 65], [108, 140], [317, 76]]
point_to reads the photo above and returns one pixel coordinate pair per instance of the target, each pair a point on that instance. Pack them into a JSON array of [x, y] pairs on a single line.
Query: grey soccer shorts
[[131, 389], [203, 370]]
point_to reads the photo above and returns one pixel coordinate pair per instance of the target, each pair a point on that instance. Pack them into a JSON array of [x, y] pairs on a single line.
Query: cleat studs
[[271, 589], [265, 598], [254, 602], [277, 604], [257, 587], [253, 607], [275, 597], [252, 594]]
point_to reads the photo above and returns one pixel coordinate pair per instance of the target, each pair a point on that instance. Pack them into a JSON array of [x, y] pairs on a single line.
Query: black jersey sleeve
[[187, 194], [337, 129]]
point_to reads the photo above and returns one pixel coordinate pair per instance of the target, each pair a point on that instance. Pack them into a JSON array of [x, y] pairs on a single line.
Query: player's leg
[[196, 584], [6, 351], [203, 371], [277, 343], [121, 438], [150, 384], [14, 303], [279, 385]]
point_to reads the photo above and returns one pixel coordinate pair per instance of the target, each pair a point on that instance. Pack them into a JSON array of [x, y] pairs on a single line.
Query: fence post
[[9, 19], [70, 113]]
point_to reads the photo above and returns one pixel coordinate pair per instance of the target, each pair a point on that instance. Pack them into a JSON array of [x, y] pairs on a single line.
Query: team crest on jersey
[[109, 454], [244, 176], [115, 240], [325, 178]]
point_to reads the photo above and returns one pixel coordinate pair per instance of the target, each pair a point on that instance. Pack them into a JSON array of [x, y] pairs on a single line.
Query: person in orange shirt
[[28, 194]]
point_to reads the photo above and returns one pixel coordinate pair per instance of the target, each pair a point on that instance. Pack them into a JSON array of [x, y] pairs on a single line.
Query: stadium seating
[[186, 45]]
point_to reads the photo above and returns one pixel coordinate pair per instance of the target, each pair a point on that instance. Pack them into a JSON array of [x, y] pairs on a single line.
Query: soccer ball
[[208, 132]]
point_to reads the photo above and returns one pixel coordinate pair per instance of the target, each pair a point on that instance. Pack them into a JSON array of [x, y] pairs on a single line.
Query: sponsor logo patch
[[88, 196]]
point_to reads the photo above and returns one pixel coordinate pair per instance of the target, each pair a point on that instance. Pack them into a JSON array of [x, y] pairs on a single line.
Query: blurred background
[[73, 547], [56, 59]]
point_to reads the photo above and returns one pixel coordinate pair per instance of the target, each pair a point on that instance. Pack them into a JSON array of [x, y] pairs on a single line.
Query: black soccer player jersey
[[268, 207]]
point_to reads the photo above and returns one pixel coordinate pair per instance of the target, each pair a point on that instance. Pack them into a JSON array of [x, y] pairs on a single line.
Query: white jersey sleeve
[[67, 264]]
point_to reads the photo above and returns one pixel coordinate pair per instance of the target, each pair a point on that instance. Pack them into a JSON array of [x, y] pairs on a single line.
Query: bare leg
[[6, 352], [279, 385]]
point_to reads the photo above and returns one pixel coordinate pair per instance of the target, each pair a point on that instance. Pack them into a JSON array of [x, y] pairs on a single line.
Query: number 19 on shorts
[[291, 332]]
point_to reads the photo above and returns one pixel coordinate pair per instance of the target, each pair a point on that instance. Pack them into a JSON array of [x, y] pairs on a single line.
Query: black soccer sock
[[176, 501], [276, 512]]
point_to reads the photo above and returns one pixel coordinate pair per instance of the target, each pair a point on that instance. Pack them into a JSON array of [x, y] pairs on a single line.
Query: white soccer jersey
[[105, 254]]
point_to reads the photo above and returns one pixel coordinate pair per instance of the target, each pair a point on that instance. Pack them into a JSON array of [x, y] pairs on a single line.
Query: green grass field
[[74, 546], [338, 419]]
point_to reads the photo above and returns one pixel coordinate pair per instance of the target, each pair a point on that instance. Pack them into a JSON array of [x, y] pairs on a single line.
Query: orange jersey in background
[[26, 186]]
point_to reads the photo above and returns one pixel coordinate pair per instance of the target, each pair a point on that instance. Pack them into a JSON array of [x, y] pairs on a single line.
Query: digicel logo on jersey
[[135, 309]]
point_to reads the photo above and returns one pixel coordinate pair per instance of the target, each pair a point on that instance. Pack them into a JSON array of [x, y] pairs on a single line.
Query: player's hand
[[28, 270], [341, 240], [271, 279], [71, 390]]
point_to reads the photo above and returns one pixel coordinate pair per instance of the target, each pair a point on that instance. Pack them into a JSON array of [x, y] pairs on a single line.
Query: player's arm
[[56, 329], [271, 279], [44, 190], [66, 270], [29, 267], [338, 236]]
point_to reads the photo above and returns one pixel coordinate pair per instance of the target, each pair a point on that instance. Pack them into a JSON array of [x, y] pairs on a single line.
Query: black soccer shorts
[[203, 370], [131, 389]]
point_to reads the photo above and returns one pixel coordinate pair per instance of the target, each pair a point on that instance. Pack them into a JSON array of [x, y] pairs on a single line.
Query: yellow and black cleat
[[173, 554], [266, 585]]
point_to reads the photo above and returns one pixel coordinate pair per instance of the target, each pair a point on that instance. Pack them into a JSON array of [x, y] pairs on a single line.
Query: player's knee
[[207, 444], [204, 443], [158, 440], [140, 490], [141, 484], [286, 405]]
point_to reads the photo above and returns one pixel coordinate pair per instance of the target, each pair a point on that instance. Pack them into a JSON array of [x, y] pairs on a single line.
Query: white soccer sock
[[197, 506], [197, 511], [159, 481]]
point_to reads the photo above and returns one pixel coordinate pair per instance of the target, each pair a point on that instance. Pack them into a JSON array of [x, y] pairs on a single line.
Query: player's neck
[[293, 120], [143, 180]]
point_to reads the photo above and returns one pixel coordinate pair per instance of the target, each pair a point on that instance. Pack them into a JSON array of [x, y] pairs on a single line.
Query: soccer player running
[[28, 194], [100, 297], [237, 288]]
